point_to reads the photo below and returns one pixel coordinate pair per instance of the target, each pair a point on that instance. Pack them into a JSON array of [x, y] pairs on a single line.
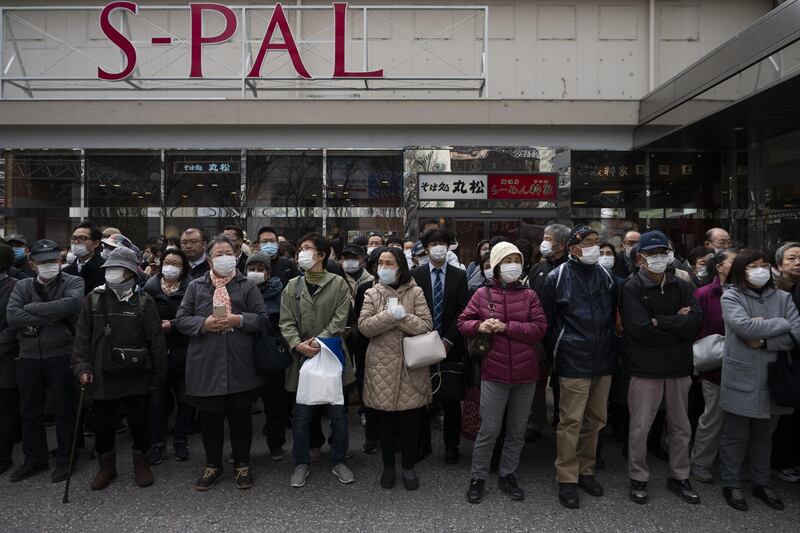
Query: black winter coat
[[9, 349], [167, 309], [663, 350], [539, 271], [580, 302], [91, 272]]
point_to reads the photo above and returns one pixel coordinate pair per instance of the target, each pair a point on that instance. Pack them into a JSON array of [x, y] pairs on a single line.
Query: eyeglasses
[[193, 242], [80, 238]]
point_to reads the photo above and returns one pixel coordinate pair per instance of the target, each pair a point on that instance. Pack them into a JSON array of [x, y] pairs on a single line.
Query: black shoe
[[533, 435], [568, 495], [475, 492], [388, 477], [26, 471], [208, 478], [244, 477], [509, 485], [451, 456], [157, 455], [423, 452], [768, 496], [4, 466], [638, 492], [181, 451], [589, 485], [735, 498], [659, 452], [599, 463], [410, 481], [683, 488], [59, 473], [370, 447], [494, 464]]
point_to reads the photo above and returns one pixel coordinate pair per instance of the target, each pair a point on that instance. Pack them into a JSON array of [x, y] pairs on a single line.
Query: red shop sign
[[543, 187]]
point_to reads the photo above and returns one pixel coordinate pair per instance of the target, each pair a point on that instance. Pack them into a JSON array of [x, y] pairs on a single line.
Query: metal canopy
[[53, 52]]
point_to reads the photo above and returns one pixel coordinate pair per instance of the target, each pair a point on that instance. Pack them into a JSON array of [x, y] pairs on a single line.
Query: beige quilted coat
[[388, 386]]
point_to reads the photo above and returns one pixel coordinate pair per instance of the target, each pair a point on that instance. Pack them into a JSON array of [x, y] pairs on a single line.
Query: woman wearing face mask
[[167, 289], [511, 313], [221, 313], [133, 319], [759, 322], [482, 248], [393, 308]]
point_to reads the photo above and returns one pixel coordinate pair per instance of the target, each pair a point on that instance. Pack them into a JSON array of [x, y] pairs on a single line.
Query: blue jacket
[[580, 302]]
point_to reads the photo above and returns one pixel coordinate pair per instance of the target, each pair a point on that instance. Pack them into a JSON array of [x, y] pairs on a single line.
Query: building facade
[[496, 117]]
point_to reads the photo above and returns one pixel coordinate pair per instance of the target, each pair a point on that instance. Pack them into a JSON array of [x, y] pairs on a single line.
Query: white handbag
[[708, 353], [423, 350]]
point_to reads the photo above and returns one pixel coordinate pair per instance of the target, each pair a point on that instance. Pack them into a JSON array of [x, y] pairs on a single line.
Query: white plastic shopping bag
[[321, 379]]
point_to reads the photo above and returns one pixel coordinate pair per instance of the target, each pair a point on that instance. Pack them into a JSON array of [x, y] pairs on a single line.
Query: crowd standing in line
[[186, 323]]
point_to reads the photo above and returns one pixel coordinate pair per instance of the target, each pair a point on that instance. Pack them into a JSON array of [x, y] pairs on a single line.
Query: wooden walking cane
[[74, 444]]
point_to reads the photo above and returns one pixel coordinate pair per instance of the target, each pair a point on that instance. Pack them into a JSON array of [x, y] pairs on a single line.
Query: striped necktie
[[438, 299]]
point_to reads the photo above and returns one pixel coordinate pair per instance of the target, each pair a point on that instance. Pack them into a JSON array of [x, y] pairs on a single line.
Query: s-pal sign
[[197, 38]]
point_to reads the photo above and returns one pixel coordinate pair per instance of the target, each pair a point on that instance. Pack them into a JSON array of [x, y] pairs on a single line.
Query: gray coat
[[750, 316], [25, 308], [219, 364]]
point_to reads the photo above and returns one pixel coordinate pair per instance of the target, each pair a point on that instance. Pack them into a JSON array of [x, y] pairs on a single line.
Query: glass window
[[123, 189], [365, 180], [351, 227], [42, 188], [202, 189]]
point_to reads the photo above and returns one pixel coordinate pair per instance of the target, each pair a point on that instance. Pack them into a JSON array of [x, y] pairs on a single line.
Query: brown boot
[[107, 472], [141, 469]]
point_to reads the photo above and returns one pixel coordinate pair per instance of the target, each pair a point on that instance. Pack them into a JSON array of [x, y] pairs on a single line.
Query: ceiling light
[[102, 185], [612, 192], [199, 184], [738, 128], [184, 196], [579, 203], [215, 185], [117, 185]]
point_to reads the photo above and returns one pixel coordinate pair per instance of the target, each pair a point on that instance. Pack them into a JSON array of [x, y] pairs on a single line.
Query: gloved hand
[[398, 312]]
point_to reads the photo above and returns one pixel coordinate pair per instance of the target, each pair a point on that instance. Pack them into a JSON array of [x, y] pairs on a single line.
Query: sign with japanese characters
[[542, 187], [452, 186], [206, 167]]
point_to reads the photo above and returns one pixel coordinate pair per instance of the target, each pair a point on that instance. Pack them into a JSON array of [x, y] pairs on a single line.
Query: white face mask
[[590, 255], [79, 250], [115, 275], [224, 265], [371, 249], [71, 257], [424, 260], [657, 263], [546, 248], [351, 265], [305, 260], [438, 252], [105, 253], [171, 272], [758, 277], [488, 273], [387, 276], [510, 272], [48, 271], [257, 277], [606, 261]]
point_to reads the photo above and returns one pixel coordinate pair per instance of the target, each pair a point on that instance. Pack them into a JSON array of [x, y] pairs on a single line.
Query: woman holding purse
[[759, 322], [393, 309], [513, 316]]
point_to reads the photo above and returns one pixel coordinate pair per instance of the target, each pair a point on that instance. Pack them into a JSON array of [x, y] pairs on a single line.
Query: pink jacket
[[512, 357]]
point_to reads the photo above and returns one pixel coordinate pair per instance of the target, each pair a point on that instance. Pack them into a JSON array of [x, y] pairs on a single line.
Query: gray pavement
[[326, 505]]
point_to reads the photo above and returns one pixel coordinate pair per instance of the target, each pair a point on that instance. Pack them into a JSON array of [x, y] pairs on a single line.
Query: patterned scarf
[[221, 296], [169, 288]]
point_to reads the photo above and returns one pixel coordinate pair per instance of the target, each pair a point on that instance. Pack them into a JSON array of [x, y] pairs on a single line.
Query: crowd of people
[[164, 340]]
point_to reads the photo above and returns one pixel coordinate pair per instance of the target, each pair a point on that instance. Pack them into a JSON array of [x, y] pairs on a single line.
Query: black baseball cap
[[44, 250]]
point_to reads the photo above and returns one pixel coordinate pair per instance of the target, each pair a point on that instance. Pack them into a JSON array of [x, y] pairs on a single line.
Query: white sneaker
[[300, 475], [344, 474]]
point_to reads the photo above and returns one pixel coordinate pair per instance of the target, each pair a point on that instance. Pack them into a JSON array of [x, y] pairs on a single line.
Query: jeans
[[35, 379], [184, 416], [496, 399], [240, 423], [301, 428], [741, 434], [106, 417]]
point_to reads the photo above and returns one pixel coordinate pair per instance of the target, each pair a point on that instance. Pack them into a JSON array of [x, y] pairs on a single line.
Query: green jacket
[[322, 315]]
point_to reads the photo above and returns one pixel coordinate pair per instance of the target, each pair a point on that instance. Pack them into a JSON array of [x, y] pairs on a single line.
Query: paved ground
[[325, 505]]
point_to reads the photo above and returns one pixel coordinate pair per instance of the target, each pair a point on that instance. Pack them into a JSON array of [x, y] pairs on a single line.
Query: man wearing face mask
[[624, 266], [85, 244], [718, 239], [43, 311], [21, 268], [353, 265], [445, 288], [580, 301], [281, 267], [660, 320]]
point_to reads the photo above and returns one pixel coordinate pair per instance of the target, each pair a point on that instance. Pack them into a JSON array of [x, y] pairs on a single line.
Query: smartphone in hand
[[219, 311]]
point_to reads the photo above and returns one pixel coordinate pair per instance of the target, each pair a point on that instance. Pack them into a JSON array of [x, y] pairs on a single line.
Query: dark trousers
[[106, 416], [9, 423], [159, 403], [275, 399], [35, 379], [371, 431], [451, 426], [240, 425], [402, 426], [786, 442]]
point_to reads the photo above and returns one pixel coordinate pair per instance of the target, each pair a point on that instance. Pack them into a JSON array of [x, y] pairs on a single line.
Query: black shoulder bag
[[123, 361]]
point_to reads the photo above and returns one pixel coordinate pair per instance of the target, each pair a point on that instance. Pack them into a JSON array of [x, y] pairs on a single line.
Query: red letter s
[[118, 39]]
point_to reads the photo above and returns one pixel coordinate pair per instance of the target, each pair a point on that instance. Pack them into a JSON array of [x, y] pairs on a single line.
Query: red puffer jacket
[[512, 357]]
